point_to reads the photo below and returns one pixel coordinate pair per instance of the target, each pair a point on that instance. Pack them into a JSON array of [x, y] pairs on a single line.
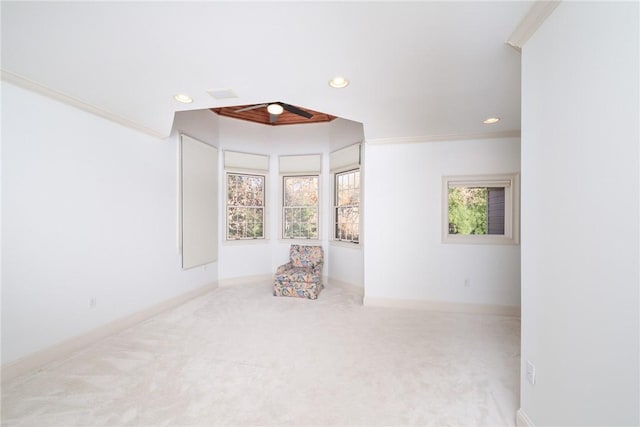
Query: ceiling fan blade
[[272, 118], [295, 110], [253, 107]]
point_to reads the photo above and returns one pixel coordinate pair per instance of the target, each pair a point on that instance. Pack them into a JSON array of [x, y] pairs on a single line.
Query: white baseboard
[[58, 351], [246, 280], [452, 307], [522, 420]]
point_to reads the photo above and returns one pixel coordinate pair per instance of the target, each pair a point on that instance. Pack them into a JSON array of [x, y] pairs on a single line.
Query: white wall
[[343, 132], [346, 261], [89, 211], [580, 216], [262, 257], [199, 124], [404, 257]]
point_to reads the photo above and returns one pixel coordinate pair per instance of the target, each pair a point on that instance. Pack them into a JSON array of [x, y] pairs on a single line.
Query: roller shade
[[309, 163], [452, 182], [254, 162], [345, 158], [198, 202]]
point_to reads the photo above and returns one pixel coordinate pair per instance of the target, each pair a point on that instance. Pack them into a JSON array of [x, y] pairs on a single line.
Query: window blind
[[309, 163], [246, 161], [345, 158]]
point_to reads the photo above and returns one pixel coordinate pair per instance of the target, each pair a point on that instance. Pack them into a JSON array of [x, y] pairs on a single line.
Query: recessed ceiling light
[[338, 82], [491, 120], [185, 99], [275, 109]]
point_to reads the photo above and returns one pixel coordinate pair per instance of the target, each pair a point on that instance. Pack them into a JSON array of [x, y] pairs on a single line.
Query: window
[[245, 206], [347, 206], [300, 207], [480, 209]]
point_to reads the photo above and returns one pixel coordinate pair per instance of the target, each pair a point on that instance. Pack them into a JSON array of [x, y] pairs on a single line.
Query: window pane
[[476, 210], [300, 207], [347, 215], [481, 209], [245, 198]]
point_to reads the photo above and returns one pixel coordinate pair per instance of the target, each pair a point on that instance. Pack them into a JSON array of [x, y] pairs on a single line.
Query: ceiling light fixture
[[338, 82], [491, 120], [275, 109], [185, 99]]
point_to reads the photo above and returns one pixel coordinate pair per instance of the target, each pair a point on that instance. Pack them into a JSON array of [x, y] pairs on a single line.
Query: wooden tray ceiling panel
[[261, 115]]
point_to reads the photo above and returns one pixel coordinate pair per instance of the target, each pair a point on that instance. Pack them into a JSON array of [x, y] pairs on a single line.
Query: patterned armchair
[[302, 276]]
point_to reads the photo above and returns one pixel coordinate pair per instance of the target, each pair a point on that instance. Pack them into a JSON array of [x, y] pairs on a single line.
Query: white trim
[[332, 236], [522, 420], [439, 138], [25, 83], [265, 205], [443, 306], [281, 237], [511, 183], [245, 280], [58, 351], [534, 18], [240, 242]]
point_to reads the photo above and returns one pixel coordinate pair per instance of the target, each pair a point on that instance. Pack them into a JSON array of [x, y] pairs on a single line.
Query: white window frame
[[265, 222], [282, 206], [511, 183], [334, 203]]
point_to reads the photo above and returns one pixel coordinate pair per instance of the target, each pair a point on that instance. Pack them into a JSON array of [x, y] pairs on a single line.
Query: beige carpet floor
[[239, 356]]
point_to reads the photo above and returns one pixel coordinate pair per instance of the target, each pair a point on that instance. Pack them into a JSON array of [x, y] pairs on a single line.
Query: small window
[[245, 206], [347, 206], [482, 209], [300, 207]]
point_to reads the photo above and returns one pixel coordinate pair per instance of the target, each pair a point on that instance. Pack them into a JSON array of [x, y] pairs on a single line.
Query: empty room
[[320, 213]]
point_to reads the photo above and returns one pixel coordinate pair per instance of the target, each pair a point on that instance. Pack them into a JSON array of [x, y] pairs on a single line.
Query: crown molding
[[538, 13], [440, 138], [28, 84]]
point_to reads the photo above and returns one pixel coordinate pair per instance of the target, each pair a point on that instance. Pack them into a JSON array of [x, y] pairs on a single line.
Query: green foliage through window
[[476, 210]]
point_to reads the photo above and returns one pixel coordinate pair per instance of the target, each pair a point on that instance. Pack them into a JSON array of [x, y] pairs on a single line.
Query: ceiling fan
[[277, 108]]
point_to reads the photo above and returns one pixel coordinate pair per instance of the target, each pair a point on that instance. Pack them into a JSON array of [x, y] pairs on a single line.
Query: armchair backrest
[[306, 256]]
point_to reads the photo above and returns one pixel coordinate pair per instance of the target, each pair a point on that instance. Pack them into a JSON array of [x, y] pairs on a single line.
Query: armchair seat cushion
[[299, 274]]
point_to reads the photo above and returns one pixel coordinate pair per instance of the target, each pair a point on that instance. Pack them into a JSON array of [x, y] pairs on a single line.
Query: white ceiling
[[417, 69]]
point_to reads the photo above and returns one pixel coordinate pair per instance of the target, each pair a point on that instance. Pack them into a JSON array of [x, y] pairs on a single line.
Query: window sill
[[240, 242], [342, 244], [475, 239]]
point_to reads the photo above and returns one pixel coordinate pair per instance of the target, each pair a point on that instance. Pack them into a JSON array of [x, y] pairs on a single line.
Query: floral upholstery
[[302, 276]]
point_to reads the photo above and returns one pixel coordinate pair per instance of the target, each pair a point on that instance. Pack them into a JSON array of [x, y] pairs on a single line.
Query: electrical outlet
[[467, 283], [93, 302], [531, 372]]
